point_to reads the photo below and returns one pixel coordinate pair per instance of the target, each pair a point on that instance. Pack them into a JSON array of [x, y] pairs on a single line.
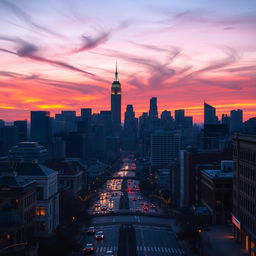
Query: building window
[[40, 193], [40, 211]]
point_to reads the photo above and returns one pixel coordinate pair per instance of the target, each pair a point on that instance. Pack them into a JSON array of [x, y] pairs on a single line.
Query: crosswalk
[[106, 248], [158, 249]]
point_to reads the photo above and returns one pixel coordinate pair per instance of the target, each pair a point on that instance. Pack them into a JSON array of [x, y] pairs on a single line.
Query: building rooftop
[[27, 169], [217, 174]]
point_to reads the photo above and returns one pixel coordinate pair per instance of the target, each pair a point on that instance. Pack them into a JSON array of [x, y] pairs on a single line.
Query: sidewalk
[[182, 243], [219, 240]]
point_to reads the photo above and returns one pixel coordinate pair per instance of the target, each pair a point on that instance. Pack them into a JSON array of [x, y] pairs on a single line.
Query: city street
[[152, 229]]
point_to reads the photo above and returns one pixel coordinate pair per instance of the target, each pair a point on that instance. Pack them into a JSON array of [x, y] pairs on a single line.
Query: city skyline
[[48, 66]]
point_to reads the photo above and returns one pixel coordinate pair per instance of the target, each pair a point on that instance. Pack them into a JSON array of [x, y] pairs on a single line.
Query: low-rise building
[[29, 152], [47, 205], [17, 209], [70, 175], [216, 192]]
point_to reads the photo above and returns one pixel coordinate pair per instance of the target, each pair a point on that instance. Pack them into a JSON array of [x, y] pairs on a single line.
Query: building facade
[[244, 192]]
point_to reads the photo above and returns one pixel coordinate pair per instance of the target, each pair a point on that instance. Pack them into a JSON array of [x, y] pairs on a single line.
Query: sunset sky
[[60, 55]]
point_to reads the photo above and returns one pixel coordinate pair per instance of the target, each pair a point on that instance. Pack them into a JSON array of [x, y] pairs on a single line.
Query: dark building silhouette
[[216, 191], [68, 120], [106, 121], [86, 119], [250, 126], [179, 117], [189, 160], [225, 119], [41, 127], [153, 112], [210, 114], [116, 105], [8, 138], [167, 122], [213, 135], [75, 144], [144, 134], [22, 127], [130, 131], [236, 120], [244, 191]]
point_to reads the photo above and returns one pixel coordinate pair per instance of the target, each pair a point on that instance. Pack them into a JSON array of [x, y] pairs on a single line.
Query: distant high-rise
[[130, 132], [22, 130], [116, 105], [153, 108], [236, 120], [210, 114], [164, 148], [41, 127], [179, 116]]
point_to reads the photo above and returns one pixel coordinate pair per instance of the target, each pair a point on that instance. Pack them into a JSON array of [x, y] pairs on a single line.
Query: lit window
[[40, 211]]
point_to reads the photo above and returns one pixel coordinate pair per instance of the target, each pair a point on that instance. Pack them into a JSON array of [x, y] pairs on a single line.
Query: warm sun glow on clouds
[[60, 55]]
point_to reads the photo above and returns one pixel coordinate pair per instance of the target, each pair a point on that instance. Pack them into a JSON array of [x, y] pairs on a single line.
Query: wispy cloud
[[31, 51], [25, 17]]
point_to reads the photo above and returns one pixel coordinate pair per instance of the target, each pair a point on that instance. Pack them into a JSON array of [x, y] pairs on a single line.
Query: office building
[[130, 131], [153, 112], [210, 114], [164, 148], [236, 120], [22, 127], [68, 120], [41, 127], [8, 138], [244, 192]]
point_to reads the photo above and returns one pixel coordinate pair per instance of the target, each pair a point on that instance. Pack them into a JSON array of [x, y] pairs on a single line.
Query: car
[[145, 208], [139, 198], [99, 235], [88, 249], [111, 211], [138, 210], [104, 207], [109, 253], [91, 231], [134, 199], [152, 206]]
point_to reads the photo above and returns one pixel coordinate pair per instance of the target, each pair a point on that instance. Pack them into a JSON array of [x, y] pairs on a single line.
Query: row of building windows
[[248, 223], [247, 172], [247, 155], [247, 188], [247, 205]]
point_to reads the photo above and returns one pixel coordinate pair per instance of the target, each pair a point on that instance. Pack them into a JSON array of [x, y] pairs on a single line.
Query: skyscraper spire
[[116, 73]]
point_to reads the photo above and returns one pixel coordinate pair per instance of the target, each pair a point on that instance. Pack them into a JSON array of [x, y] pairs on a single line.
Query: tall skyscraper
[[236, 120], [116, 105], [153, 108], [41, 127], [210, 114]]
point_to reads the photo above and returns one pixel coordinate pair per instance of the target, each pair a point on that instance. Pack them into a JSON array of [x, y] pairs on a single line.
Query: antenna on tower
[[116, 73]]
